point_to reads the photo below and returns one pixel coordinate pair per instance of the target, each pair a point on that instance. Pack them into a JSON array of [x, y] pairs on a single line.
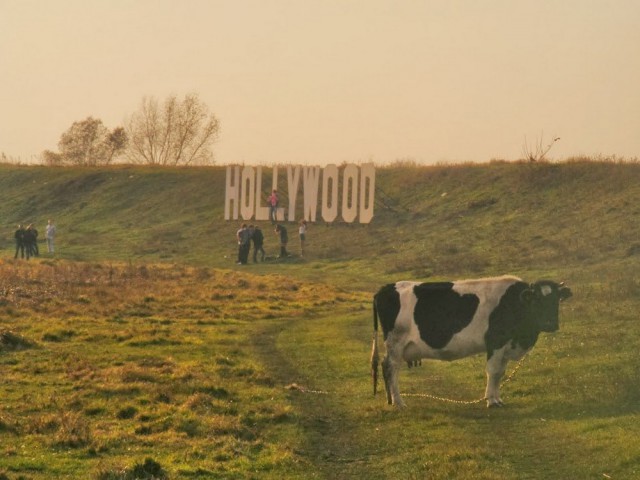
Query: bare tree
[[88, 142], [540, 150], [174, 133]]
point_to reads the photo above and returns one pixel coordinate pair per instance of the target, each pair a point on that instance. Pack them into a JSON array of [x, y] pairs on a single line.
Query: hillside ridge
[[442, 221]]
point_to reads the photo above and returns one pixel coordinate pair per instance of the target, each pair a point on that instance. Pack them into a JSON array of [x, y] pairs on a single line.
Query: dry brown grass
[[102, 362]]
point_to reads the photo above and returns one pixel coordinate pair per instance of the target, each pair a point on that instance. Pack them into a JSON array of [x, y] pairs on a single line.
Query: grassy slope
[[573, 414], [429, 221]]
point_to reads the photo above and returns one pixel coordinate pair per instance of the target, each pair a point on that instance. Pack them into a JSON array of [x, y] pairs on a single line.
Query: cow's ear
[[526, 296], [564, 292]]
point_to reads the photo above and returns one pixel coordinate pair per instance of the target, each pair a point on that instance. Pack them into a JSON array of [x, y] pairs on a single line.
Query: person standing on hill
[[302, 232], [49, 235], [244, 244], [258, 240], [284, 239], [273, 206], [19, 236], [33, 247], [28, 239]]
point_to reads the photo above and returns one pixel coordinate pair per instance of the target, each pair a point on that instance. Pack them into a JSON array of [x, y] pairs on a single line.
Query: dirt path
[[331, 442]]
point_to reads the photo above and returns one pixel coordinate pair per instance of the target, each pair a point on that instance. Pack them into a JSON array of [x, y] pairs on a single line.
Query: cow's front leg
[[496, 366], [390, 373]]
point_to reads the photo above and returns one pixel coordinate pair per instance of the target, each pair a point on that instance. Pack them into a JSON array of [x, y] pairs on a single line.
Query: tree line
[[172, 132]]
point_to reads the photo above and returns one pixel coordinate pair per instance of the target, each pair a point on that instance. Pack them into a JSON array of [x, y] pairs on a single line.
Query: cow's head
[[543, 299]]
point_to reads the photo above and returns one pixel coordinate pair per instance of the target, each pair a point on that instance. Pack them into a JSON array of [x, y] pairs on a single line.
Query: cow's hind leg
[[386, 367], [390, 372]]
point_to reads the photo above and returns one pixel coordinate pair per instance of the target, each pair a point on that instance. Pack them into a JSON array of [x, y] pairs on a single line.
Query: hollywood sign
[[244, 197]]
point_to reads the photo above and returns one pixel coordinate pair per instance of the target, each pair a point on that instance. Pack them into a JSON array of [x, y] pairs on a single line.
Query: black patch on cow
[[387, 303], [441, 312], [511, 321]]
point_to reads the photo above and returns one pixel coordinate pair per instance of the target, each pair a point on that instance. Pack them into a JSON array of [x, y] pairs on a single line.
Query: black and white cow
[[501, 316]]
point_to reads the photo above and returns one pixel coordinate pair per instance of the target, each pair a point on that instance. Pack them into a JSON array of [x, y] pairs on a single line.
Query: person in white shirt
[[302, 232], [50, 234]]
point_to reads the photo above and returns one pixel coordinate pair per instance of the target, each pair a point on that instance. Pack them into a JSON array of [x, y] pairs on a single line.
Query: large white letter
[[274, 179], [293, 180], [330, 198], [367, 172], [232, 193], [247, 193], [262, 213], [350, 193], [310, 181]]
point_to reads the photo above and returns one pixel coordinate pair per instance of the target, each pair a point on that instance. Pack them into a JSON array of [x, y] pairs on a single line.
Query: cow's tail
[[375, 359]]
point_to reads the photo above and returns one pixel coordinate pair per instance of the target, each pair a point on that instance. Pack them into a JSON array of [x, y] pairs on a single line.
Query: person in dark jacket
[[244, 244], [28, 240], [284, 239], [258, 240], [19, 236], [32, 234]]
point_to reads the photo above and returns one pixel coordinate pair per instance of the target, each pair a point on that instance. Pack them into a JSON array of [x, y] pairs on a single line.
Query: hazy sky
[[332, 81]]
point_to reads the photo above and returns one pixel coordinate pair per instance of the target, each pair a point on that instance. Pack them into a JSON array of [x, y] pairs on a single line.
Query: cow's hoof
[[495, 403]]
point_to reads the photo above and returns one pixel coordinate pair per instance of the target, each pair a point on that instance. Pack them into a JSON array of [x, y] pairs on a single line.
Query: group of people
[[248, 234], [27, 240]]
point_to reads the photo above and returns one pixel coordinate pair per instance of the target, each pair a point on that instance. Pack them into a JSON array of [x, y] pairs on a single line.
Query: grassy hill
[[441, 221], [143, 342]]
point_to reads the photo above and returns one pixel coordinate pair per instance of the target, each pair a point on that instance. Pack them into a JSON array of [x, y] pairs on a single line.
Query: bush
[[10, 341], [127, 413], [149, 470]]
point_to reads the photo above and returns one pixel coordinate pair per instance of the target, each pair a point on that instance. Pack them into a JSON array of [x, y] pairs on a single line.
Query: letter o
[[350, 193]]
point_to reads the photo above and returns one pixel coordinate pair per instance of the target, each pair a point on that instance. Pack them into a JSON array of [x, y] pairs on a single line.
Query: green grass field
[[141, 351]]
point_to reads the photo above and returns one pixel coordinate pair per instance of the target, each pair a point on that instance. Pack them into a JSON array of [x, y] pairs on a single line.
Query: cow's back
[[445, 320]]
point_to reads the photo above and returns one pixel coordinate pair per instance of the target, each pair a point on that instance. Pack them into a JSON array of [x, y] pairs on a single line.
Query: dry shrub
[[225, 425], [190, 426], [132, 374], [8, 424], [199, 402], [43, 424], [74, 431], [79, 369], [202, 274]]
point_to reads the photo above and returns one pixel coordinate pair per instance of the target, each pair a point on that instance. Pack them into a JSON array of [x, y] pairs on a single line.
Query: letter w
[[310, 182]]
